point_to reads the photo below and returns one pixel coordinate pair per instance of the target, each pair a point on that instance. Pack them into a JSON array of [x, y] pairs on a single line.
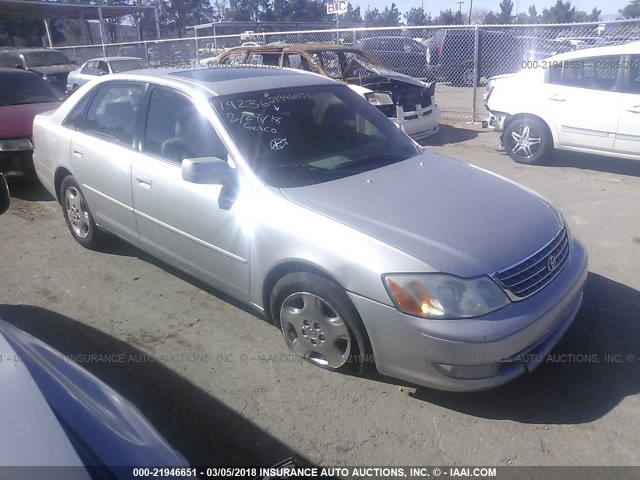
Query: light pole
[[470, 10]]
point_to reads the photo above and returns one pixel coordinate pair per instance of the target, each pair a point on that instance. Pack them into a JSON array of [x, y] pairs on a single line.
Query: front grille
[[529, 276]]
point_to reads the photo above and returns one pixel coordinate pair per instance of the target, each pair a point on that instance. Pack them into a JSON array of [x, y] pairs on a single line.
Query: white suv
[[586, 100]]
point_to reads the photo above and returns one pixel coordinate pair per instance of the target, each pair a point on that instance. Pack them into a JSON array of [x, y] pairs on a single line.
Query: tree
[[390, 16], [372, 18], [582, 16], [632, 10], [353, 15], [561, 12], [506, 8], [417, 16], [491, 19], [446, 17]]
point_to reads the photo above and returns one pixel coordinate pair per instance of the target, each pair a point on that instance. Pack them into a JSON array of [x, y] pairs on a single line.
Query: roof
[[302, 46], [231, 80], [27, 9], [15, 71], [24, 50], [111, 59], [625, 48]]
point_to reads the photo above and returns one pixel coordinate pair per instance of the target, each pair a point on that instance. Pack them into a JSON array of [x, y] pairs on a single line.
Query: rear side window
[[75, 119], [235, 59], [294, 60], [114, 111], [89, 69], [270, 59], [594, 73]]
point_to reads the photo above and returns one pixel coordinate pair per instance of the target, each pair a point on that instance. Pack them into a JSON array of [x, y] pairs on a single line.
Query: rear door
[[101, 153], [582, 97], [628, 135]]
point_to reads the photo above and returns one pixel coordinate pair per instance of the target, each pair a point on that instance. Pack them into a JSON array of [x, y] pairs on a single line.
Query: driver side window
[[175, 130]]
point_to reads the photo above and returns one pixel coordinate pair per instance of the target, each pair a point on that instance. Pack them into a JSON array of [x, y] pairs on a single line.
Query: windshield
[[17, 89], [124, 65], [45, 59], [304, 136]]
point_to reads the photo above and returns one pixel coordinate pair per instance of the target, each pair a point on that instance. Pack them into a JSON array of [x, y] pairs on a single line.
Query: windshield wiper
[[306, 166], [373, 158]]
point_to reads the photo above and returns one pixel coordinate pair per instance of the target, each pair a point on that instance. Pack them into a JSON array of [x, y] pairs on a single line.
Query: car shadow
[[29, 189], [598, 163], [594, 367], [114, 245], [203, 429], [448, 134]]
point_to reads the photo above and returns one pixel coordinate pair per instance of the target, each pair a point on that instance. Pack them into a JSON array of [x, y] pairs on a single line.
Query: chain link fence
[[460, 58]]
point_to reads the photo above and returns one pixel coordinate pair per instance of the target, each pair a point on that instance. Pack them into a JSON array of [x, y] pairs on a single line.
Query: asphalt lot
[[213, 378]]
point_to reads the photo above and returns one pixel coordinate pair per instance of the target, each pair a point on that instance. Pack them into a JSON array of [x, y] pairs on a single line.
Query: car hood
[[385, 72], [16, 121], [457, 218], [53, 69], [61, 415]]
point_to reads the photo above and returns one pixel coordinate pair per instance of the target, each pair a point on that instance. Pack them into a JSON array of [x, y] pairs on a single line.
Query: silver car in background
[[290, 192], [97, 67]]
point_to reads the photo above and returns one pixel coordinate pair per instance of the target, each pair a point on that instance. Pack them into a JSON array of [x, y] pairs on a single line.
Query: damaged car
[[406, 101]]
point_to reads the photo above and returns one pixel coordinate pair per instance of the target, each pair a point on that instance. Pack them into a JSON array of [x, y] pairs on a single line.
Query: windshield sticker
[[251, 121], [267, 101], [278, 143]]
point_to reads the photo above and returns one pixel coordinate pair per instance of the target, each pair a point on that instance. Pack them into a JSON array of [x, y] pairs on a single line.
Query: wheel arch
[[60, 175], [284, 268]]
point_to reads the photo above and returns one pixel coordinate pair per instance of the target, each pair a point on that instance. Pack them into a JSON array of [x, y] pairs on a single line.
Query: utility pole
[[470, 10], [460, 7]]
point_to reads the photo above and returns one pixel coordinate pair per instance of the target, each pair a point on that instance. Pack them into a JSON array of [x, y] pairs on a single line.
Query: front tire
[[78, 216], [320, 323], [527, 140]]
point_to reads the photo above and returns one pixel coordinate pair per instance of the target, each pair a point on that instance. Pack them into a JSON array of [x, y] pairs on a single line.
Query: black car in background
[[52, 65], [450, 54], [400, 54]]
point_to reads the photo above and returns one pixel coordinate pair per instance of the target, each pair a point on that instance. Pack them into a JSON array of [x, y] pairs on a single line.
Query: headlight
[[443, 296], [15, 145]]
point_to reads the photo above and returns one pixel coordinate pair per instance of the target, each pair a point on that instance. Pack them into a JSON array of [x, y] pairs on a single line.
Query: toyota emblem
[[551, 263]]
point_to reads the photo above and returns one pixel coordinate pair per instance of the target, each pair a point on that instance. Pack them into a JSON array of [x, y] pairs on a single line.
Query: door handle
[[77, 151], [634, 109], [143, 181], [557, 98]]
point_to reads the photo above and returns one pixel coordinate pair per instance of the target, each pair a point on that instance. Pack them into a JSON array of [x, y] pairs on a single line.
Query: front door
[[191, 226]]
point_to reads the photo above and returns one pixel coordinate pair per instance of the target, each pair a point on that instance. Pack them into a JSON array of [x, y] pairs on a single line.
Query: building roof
[[30, 9]]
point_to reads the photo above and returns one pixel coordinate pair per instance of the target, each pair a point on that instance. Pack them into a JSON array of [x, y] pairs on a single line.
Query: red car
[[22, 96]]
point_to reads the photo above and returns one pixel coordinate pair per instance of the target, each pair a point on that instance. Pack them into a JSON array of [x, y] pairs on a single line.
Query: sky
[[434, 6]]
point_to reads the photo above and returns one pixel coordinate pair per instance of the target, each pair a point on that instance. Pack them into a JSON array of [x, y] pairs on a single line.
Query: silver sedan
[[288, 191], [97, 67]]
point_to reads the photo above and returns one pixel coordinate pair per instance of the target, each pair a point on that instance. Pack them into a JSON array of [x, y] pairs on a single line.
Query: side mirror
[[5, 200], [208, 170]]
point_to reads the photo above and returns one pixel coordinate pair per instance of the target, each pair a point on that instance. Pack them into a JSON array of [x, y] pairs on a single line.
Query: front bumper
[[480, 353], [419, 124], [17, 163]]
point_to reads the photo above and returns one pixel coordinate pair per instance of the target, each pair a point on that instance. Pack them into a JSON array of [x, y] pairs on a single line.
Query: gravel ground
[[213, 379]]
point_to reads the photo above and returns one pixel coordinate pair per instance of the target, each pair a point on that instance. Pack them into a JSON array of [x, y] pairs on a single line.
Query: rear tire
[[320, 323], [78, 216], [527, 140]]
